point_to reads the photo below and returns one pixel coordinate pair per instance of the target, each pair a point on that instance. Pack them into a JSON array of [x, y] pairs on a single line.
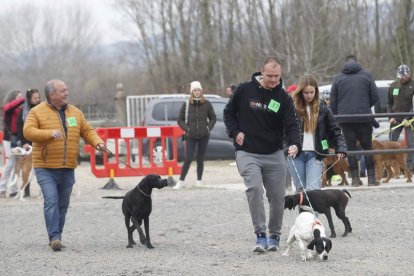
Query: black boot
[[27, 191], [372, 181], [355, 178]]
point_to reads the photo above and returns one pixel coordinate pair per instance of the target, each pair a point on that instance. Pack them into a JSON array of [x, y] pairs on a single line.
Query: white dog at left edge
[[309, 229]]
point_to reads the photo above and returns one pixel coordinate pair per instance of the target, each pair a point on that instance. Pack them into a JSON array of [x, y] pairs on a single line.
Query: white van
[[379, 107]]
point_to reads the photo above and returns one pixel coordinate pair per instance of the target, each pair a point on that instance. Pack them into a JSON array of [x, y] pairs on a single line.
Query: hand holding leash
[[340, 155], [407, 123], [102, 148], [292, 151]]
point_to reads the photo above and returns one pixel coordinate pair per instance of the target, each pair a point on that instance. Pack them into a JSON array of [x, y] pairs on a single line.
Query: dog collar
[[317, 222], [142, 192]]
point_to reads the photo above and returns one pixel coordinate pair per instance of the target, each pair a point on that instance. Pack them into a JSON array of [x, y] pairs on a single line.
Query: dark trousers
[[361, 132], [189, 153]]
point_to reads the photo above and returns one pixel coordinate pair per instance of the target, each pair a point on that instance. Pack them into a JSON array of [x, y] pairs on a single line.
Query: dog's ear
[[328, 245], [311, 245]]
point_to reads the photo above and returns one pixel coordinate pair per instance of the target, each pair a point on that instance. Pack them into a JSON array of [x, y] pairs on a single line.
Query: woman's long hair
[[11, 96], [27, 103], [202, 99], [309, 123]]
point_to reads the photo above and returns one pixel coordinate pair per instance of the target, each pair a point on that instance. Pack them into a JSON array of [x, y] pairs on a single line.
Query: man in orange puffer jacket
[[55, 128]]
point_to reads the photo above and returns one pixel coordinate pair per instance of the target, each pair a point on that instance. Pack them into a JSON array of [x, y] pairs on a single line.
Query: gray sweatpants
[[266, 171]]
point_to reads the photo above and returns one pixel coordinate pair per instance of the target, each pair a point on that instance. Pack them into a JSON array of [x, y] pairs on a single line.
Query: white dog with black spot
[[309, 229]]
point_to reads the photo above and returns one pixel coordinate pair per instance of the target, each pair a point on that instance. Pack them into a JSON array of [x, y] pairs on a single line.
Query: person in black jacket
[[259, 116], [320, 132], [31, 100], [354, 92], [400, 99], [197, 118]]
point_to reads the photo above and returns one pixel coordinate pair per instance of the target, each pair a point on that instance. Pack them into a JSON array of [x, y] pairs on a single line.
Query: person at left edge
[[55, 127]]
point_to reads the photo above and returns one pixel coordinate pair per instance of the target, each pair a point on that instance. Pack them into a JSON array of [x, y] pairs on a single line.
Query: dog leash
[[317, 178], [111, 154], [170, 180], [303, 187], [405, 123]]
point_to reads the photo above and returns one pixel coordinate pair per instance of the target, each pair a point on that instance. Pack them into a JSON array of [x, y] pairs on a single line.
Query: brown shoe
[[56, 245]]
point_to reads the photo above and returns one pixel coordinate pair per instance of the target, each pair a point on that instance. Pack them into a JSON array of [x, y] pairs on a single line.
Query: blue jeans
[[56, 186], [308, 169]]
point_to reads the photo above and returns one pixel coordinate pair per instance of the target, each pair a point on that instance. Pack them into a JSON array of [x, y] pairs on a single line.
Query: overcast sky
[[109, 20]]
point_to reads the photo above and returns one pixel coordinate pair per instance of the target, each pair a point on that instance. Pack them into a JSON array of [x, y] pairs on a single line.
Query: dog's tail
[[113, 197], [345, 191]]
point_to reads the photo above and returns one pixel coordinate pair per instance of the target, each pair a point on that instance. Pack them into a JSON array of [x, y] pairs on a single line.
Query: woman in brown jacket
[[196, 118]]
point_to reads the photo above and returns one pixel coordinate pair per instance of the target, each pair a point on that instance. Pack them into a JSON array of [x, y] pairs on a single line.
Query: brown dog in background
[[385, 160], [339, 168]]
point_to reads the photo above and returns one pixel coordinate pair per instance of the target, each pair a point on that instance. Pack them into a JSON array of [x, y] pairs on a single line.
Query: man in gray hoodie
[[354, 92]]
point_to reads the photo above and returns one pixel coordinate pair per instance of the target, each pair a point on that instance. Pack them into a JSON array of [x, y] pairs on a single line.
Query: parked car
[[164, 112], [378, 108]]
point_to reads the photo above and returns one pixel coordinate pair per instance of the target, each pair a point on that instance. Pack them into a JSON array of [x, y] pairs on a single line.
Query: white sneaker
[[179, 185], [199, 183]]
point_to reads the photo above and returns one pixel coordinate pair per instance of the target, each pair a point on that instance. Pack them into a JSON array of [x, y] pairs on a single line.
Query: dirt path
[[201, 231]]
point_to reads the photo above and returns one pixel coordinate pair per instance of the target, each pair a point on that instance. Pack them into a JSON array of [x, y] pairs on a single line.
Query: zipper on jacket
[[198, 130], [65, 138]]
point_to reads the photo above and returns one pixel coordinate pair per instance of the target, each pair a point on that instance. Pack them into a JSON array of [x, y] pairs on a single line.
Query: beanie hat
[[195, 85], [403, 70]]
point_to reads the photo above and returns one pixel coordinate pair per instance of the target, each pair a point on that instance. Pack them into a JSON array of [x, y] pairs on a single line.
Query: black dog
[[137, 206], [322, 201]]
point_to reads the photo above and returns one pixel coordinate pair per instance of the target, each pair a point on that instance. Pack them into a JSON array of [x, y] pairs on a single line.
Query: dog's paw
[[149, 246], [333, 235], [129, 246], [286, 254]]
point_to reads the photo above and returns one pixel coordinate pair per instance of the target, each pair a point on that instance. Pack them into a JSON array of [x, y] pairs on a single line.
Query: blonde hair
[[309, 122]]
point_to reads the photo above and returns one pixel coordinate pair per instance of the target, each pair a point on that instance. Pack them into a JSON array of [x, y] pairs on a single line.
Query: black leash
[[170, 180], [111, 154]]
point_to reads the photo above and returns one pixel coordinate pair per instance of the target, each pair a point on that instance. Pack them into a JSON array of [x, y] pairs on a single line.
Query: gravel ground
[[201, 231]]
